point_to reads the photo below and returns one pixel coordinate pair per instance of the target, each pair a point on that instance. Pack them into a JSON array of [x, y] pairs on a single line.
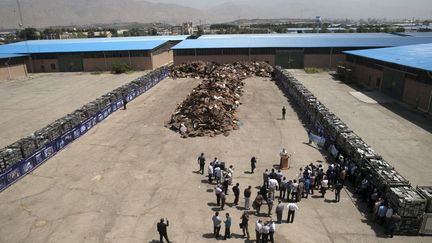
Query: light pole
[[21, 25]]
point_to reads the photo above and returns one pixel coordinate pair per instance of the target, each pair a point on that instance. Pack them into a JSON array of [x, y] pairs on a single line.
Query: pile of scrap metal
[[210, 109]]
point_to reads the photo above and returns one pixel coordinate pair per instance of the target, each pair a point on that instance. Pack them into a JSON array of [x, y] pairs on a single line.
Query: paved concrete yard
[[401, 136], [29, 104], [118, 180]]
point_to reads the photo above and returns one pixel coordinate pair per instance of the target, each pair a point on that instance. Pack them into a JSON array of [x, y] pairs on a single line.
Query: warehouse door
[[292, 59], [70, 63], [393, 83]]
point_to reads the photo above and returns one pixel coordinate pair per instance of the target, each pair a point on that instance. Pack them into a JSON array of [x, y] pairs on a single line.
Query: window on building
[[53, 66], [43, 68]]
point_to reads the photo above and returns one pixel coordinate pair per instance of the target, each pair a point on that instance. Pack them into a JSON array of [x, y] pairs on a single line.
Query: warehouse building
[[287, 50], [12, 66], [95, 54], [404, 73]]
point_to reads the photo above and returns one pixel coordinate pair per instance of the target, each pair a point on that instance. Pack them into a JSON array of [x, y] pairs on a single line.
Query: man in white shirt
[[294, 191], [218, 191], [272, 226], [218, 174], [265, 231], [272, 185], [292, 207], [216, 224], [210, 173], [324, 186], [258, 229]]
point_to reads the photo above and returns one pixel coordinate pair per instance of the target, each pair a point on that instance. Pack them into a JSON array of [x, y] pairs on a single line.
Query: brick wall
[[100, 64], [44, 65], [323, 60], [367, 76], [417, 93], [13, 72], [161, 59]]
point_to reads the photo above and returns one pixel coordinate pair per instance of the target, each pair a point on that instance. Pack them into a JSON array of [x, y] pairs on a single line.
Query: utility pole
[[21, 25]]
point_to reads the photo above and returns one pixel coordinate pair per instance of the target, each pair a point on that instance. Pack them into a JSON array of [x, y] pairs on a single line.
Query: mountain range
[[43, 13]]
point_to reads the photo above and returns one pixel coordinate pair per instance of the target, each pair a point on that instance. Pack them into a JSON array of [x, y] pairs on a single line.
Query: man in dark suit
[[162, 229]]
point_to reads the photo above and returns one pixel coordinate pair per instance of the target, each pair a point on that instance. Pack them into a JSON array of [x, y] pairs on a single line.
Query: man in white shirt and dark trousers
[[272, 186], [294, 191], [272, 226], [292, 207], [210, 173], [218, 191], [258, 229], [265, 231], [216, 224], [218, 174]]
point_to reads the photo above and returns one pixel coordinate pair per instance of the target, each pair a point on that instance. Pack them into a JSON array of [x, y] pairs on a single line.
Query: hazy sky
[[396, 9]]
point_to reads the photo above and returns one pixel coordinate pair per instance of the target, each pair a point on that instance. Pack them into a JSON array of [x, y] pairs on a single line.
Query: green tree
[[200, 31], [153, 31], [134, 32], [28, 34], [90, 34], [324, 28], [280, 30], [400, 29], [362, 29], [48, 33]]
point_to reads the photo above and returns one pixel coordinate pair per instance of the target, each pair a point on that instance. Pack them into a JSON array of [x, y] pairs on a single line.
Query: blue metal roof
[[295, 42], [418, 34], [9, 55], [308, 35], [88, 44], [414, 56]]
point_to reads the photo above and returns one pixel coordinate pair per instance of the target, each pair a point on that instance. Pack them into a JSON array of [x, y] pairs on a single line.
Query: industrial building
[[94, 54], [12, 66], [404, 73], [287, 50]]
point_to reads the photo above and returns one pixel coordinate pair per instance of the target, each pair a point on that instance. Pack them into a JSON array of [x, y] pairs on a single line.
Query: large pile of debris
[[209, 109]]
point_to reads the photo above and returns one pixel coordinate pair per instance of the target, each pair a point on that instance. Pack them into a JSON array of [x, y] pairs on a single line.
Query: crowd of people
[[309, 180], [275, 189]]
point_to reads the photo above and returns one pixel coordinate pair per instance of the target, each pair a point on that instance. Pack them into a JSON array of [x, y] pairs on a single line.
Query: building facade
[[95, 54], [404, 73], [295, 51], [12, 66]]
